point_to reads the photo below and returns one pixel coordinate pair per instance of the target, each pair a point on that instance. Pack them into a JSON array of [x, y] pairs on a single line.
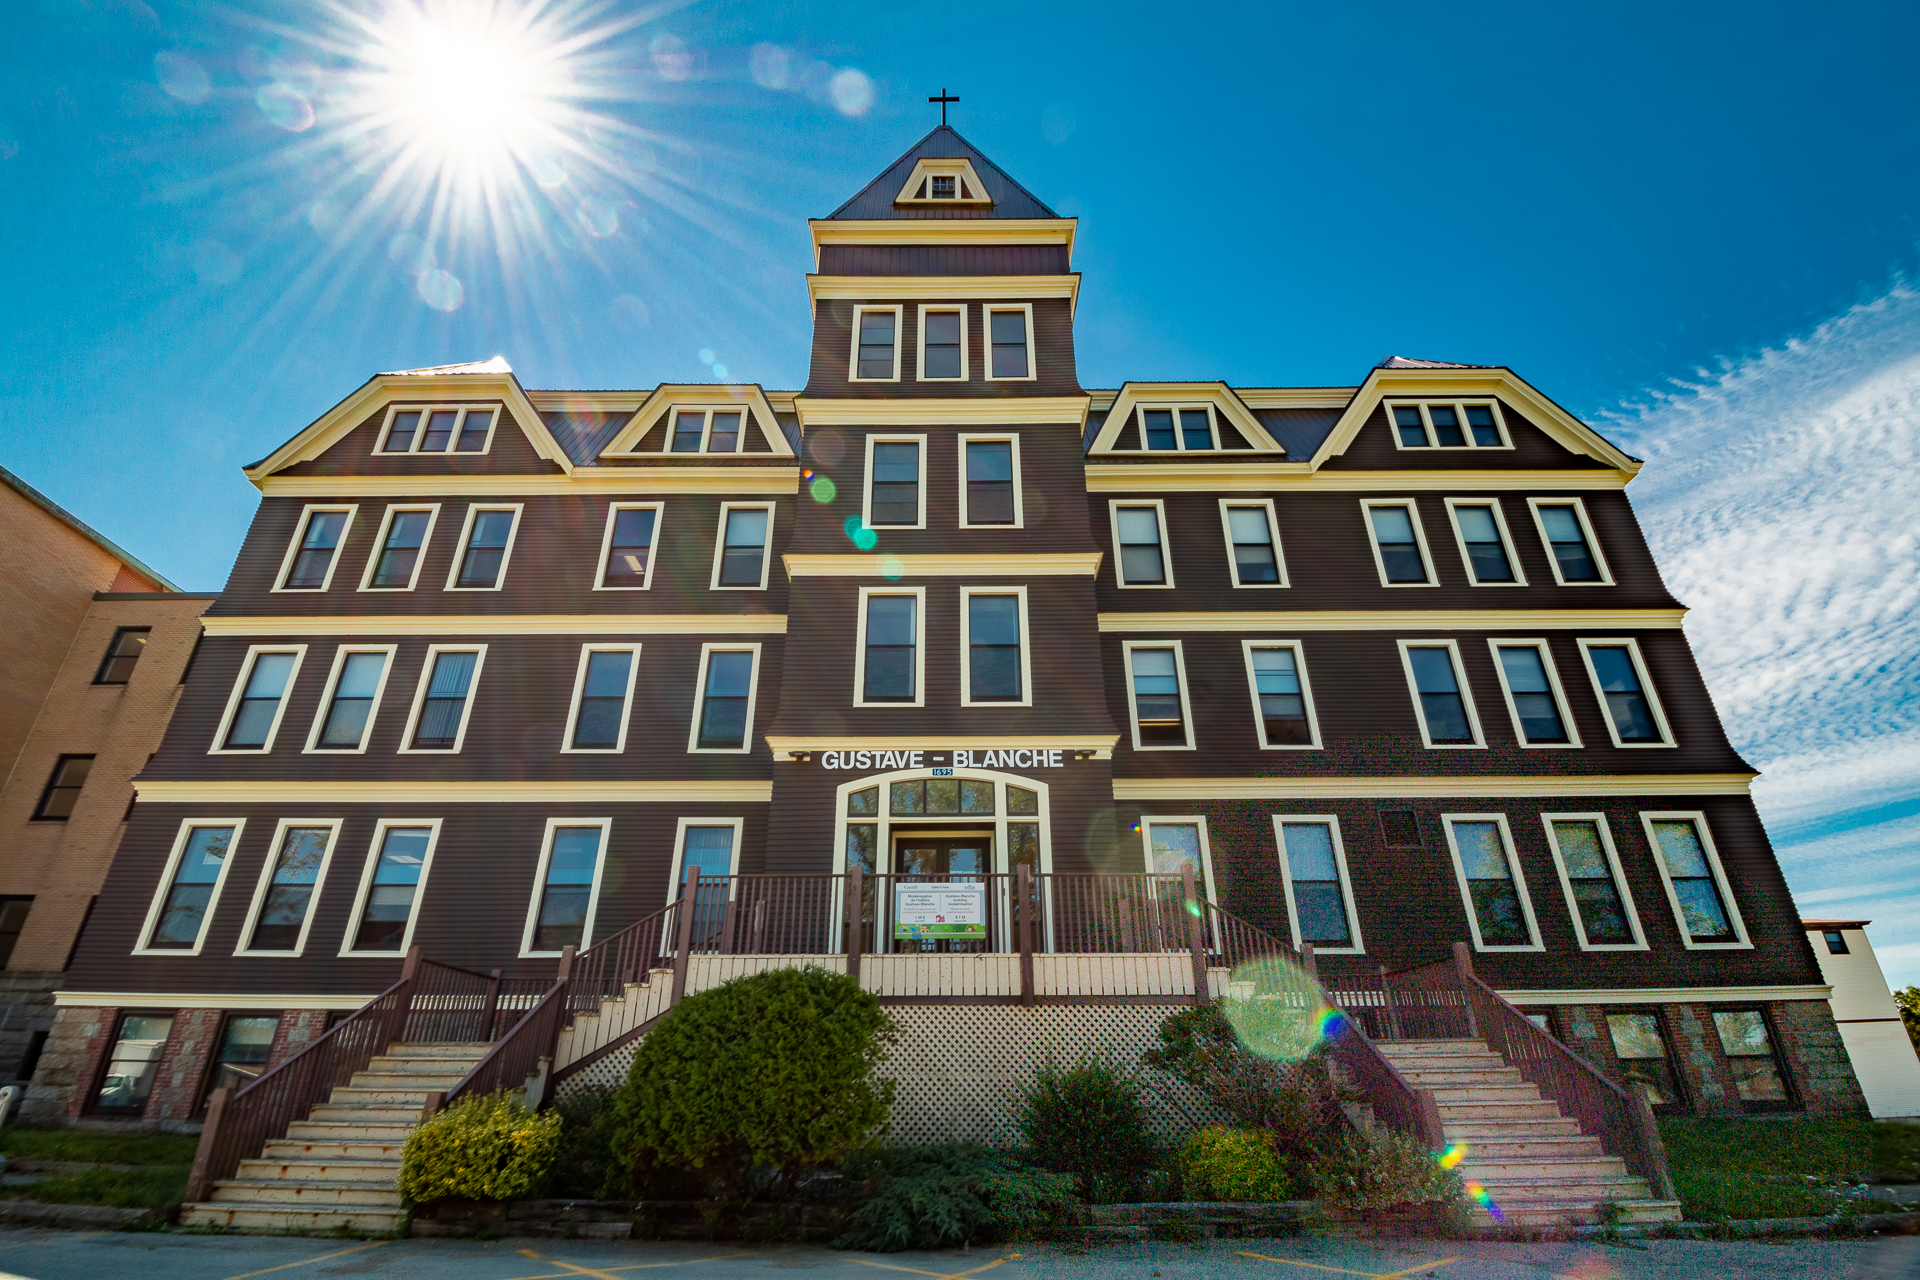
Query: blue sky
[[1689, 224]]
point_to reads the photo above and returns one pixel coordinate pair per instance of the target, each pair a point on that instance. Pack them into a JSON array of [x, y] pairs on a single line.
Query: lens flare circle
[[1276, 1008]]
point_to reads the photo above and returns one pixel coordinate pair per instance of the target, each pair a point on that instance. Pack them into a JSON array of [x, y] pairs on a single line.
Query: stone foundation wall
[[26, 1008]]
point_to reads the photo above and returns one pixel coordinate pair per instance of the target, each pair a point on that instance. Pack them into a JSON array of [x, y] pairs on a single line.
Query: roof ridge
[[67, 517]]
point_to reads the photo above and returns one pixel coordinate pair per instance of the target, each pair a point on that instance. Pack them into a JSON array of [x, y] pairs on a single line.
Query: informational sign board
[[957, 910]]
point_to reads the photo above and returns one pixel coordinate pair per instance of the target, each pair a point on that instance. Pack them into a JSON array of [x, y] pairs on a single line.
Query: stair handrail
[[599, 971], [517, 1055], [1397, 1102]]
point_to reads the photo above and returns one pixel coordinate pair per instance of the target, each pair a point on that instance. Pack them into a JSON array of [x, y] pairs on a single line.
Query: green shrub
[[1382, 1170], [1219, 1163], [1089, 1121], [1293, 1099], [482, 1148], [958, 1193], [775, 1070], [584, 1167]]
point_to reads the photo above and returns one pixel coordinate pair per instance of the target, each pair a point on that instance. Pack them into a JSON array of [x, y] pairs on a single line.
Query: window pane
[[1140, 556], [133, 1063], [1253, 558], [896, 482], [1685, 857], [396, 879], [1196, 432], [976, 796], [569, 888], [1744, 1039], [245, 1046], [1603, 916], [743, 557], [876, 344], [260, 700], [1159, 426], [1638, 1042], [989, 482], [723, 718], [864, 801], [63, 788], [1440, 700], [1486, 550], [473, 431], [401, 551], [1446, 426], [907, 797], [185, 907], [1626, 701], [486, 549], [1496, 901], [1413, 432], [1480, 421], [1569, 543], [1399, 550], [943, 795], [1156, 698], [688, 427], [1310, 851], [710, 849], [942, 356], [603, 697], [317, 545], [1021, 800], [725, 436], [446, 700], [1283, 705], [400, 435], [1322, 909], [890, 648], [1532, 693], [863, 842], [629, 548], [439, 430], [1175, 846], [1009, 330], [296, 868], [352, 704], [993, 628]]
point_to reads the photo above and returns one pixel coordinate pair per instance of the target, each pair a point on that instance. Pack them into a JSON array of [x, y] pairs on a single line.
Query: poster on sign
[[940, 911]]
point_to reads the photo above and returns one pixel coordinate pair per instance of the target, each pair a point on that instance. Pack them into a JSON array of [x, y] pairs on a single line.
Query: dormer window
[[438, 429], [1184, 430], [941, 186], [1448, 426], [705, 431], [943, 179]]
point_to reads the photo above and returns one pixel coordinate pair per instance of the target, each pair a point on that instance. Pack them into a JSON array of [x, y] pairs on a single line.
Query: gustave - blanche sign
[[880, 761]]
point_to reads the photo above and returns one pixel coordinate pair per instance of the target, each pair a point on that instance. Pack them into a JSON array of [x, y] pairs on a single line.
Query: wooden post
[[200, 1181], [409, 971], [566, 962], [1432, 1132], [436, 1103], [1196, 935], [1646, 1130], [493, 1006], [689, 904], [1023, 918], [1463, 965], [856, 910], [1393, 1010], [1308, 963]]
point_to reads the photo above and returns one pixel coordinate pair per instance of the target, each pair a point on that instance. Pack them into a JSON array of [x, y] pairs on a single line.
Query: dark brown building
[[1387, 665]]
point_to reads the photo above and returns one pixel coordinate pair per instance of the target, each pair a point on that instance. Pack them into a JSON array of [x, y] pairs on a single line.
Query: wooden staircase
[[1532, 1161], [337, 1169]]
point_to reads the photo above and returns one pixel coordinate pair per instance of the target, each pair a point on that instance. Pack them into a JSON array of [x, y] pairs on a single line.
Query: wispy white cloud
[[1782, 498]]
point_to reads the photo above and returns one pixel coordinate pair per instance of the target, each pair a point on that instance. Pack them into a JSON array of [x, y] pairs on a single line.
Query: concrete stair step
[[1647, 1211], [1443, 1094], [1527, 1166], [280, 1219], [473, 1050], [350, 1096], [1514, 1129], [1398, 1048], [1473, 1110], [1540, 1190], [344, 1148], [1449, 1077], [370, 1172], [407, 1081], [1524, 1145], [369, 1195], [389, 1064]]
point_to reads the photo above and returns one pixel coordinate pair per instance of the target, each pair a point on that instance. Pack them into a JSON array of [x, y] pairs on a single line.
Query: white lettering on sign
[[884, 761]]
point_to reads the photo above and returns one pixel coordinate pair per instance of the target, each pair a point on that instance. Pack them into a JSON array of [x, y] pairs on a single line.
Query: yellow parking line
[[944, 1275], [608, 1271], [287, 1266], [1436, 1264]]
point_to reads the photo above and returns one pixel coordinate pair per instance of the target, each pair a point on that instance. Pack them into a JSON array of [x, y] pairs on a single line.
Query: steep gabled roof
[[82, 528], [876, 199]]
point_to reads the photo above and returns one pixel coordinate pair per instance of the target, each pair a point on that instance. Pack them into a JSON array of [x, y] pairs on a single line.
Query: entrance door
[[936, 856]]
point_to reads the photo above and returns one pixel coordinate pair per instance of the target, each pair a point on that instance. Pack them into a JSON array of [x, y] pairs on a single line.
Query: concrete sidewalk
[[58, 1255]]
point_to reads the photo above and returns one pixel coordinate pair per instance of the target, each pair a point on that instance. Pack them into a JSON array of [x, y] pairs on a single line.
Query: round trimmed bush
[[490, 1147], [771, 1071], [1219, 1163]]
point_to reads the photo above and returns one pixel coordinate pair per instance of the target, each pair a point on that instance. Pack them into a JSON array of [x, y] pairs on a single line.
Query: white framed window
[[1399, 542], [204, 851], [708, 430], [1531, 685], [281, 913], [723, 699], [711, 844], [351, 699], [1492, 888], [258, 702], [876, 344], [400, 548], [314, 553], [1313, 871], [1704, 909], [602, 699], [896, 494], [990, 495], [443, 701], [1009, 354], [1454, 424], [995, 651], [890, 653], [1486, 548], [1442, 702], [566, 886], [627, 547], [1628, 703], [1283, 712], [741, 551], [1254, 558], [438, 428], [1172, 842], [1572, 549], [1157, 701], [1598, 897], [387, 905], [485, 545], [1141, 554], [943, 344], [1183, 428]]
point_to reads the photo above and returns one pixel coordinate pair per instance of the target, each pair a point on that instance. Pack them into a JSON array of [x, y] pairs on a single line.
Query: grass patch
[[158, 1188], [1789, 1168], [1896, 1152], [98, 1148]]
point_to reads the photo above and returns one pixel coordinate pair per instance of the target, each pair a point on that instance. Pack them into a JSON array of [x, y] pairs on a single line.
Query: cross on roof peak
[[943, 100]]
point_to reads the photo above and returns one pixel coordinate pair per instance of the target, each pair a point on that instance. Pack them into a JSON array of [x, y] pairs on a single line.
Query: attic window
[[951, 179], [705, 431], [437, 429], [941, 186], [1448, 426], [1186, 429]]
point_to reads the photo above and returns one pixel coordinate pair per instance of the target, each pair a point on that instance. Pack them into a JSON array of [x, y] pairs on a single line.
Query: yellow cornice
[[307, 791], [943, 288], [503, 624], [1151, 475], [1428, 786], [885, 564], [941, 231], [943, 411], [637, 481], [1399, 620]]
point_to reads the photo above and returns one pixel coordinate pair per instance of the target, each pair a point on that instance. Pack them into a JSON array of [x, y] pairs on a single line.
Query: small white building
[[1869, 1020]]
